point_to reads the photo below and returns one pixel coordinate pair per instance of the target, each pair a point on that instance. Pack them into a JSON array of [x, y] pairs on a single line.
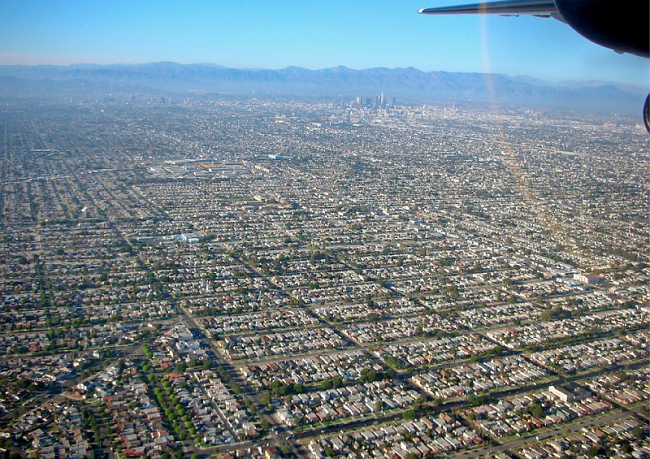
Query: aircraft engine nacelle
[[621, 26]]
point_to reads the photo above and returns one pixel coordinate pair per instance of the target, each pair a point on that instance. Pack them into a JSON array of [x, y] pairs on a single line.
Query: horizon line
[[340, 66]]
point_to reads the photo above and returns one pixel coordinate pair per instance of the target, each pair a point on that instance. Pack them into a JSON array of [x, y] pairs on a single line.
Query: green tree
[[594, 451], [409, 415], [536, 410], [367, 375], [476, 400]]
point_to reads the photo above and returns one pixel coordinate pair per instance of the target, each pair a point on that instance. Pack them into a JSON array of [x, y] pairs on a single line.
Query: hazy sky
[[312, 34]]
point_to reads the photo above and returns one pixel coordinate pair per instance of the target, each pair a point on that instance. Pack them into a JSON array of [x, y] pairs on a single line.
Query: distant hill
[[401, 82]]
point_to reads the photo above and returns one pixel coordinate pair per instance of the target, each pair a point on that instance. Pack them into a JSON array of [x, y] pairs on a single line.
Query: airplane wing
[[543, 8]]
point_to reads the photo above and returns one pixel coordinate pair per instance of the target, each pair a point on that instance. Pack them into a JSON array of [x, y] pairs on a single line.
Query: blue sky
[[275, 34]]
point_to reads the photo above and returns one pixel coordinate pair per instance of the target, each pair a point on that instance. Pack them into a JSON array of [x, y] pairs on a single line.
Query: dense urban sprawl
[[212, 277]]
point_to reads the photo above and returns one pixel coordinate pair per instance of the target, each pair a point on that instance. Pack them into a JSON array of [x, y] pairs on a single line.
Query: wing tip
[[502, 7]]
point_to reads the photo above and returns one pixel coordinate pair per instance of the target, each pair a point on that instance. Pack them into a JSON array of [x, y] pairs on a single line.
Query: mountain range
[[409, 83]]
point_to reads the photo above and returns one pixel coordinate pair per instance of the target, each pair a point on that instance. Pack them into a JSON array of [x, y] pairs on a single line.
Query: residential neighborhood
[[202, 276]]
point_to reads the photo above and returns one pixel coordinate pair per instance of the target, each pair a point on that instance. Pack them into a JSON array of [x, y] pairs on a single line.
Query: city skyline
[[281, 34]]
